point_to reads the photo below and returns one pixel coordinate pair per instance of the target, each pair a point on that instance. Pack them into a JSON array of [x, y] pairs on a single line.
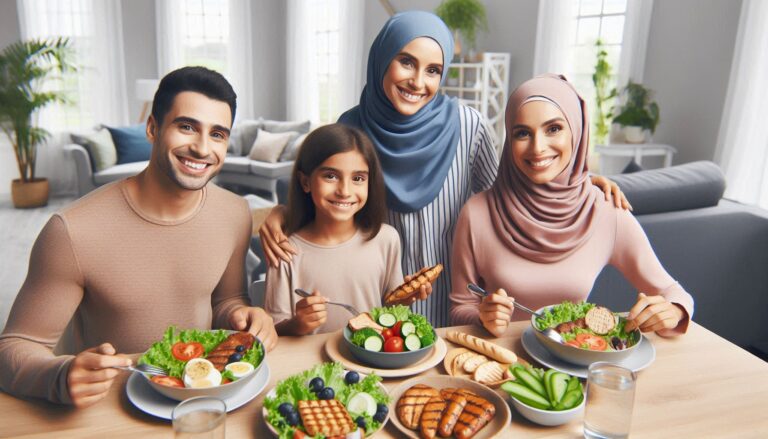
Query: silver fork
[[143, 368], [349, 308]]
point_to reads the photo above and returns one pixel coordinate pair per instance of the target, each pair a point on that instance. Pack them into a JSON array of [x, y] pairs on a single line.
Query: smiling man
[[112, 271]]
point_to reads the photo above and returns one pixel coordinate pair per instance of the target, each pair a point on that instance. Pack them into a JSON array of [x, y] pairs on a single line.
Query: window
[[326, 37], [205, 33], [97, 90]]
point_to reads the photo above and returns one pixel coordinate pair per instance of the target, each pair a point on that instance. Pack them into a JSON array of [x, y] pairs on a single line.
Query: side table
[[636, 151]]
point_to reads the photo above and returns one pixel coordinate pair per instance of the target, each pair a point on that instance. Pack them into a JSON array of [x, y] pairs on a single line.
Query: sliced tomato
[[396, 328], [593, 342], [225, 381], [393, 344], [167, 381], [573, 343], [187, 351], [298, 434], [387, 334]]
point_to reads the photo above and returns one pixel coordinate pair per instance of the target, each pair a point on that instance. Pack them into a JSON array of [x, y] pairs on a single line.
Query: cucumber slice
[[387, 320], [558, 383], [548, 383], [362, 404], [573, 384], [531, 381], [373, 343], [571, 399], [526, 395], [412, 342], [407, 329]]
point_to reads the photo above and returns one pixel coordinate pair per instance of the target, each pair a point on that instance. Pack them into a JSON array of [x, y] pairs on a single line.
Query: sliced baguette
[[492, 350]]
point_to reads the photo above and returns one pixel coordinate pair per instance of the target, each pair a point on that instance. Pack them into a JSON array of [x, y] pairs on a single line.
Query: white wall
[[9, 32], [688, 62]]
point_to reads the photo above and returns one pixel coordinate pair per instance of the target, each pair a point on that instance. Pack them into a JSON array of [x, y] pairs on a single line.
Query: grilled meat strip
[[455, 406], [476, 414], [219, 356], [431, 415], [411, 404]]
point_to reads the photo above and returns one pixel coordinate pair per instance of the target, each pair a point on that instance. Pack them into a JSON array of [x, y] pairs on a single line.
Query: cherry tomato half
[[593, 342], [393, 344], [187, 351], [167, 381], [387, 334]]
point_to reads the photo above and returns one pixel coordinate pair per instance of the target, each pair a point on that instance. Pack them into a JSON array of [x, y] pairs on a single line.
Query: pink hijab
[[546, 222]]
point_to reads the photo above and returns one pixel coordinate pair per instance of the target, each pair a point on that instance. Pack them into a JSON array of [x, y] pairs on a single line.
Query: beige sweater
[[103, 271], [480, 257], [356, 272]]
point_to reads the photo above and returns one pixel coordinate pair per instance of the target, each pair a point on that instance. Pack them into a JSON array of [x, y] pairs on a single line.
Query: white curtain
[[637, 23], [238, 62], [303, 91], [554, 35], [742, 144]]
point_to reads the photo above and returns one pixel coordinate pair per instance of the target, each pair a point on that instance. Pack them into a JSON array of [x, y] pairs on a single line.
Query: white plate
[[271, 394], [146, 399], [639, 360]]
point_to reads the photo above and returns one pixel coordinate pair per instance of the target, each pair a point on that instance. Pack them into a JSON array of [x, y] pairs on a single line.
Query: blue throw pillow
[[131, 143]]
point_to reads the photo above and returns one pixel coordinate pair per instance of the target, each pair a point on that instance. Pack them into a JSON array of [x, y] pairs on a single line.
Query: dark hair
[[318, 146], [198, 79]]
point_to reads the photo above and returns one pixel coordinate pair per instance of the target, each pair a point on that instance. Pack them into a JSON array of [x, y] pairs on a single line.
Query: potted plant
[[604, 95], [24, 68], [463, 17], [638, 113]]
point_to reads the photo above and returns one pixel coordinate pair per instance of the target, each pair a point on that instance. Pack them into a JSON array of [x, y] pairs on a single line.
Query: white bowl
[[549, 418], [222, 391], [582, 357]]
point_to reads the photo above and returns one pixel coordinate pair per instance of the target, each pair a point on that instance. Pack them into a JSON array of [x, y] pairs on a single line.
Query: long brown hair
[[318, 146]]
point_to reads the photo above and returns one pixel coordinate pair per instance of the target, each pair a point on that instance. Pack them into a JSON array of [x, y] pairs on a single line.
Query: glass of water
[[199, 418], [610, 399]]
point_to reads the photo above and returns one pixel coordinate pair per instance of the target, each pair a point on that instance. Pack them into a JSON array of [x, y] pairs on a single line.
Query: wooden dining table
[[699, 385]]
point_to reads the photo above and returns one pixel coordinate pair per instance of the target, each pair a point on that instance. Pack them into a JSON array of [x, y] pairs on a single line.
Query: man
[[112, 271]]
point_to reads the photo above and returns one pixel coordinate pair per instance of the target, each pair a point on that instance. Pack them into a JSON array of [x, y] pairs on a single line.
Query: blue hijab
[[415, 151]]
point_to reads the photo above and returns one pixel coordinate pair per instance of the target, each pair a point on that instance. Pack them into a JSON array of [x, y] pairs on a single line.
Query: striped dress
[[427, 235]]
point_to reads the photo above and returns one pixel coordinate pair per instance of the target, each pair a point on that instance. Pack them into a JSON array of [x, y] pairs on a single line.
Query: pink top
[[617, 239]]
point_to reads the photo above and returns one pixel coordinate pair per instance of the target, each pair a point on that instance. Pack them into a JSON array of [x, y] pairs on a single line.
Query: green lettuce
[[401, 312], [564, 312], [359, 336]]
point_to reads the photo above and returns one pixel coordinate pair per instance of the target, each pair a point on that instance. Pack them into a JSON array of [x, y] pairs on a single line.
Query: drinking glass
[[610, 398], [199, 418]]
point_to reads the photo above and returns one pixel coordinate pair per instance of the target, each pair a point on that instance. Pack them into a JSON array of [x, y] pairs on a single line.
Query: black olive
[[234, 357], [351, 377], [316, 385], [292, 419], [381, 413], [239, 348], [326, 393], [285, 409], [360, 421], [617, 343]]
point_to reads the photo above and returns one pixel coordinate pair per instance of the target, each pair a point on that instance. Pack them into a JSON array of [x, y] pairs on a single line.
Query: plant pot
[[452, 82], [30, 194], [634, 134]]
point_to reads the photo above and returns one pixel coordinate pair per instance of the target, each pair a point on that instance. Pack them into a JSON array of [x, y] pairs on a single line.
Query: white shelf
[[490, 98]]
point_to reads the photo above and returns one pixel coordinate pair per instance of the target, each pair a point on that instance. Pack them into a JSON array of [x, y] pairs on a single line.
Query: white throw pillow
[[268, 146]]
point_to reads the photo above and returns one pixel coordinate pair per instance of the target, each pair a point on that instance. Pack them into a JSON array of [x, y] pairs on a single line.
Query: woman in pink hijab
[[544, 232]]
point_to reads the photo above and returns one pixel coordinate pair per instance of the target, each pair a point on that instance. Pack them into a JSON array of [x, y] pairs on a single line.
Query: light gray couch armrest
[[83, 168]]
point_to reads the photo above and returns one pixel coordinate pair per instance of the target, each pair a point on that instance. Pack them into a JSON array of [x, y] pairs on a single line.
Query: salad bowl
[[386, 360], [581, 356], [161, 352]]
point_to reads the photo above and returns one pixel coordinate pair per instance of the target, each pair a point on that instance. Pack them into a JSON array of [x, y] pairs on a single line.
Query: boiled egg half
[[199, 373], [239, 369]]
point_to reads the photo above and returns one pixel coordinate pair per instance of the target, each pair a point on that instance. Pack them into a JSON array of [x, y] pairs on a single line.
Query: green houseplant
[[604, 95], [638, 112], [24, 68], [463, 17]]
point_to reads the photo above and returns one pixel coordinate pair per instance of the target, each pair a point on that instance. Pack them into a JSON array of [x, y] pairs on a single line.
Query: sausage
[[451, 414], [477, 412], [219, 356]]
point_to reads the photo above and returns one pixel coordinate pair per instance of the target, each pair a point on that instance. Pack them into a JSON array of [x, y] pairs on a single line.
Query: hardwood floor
[[18, 231]]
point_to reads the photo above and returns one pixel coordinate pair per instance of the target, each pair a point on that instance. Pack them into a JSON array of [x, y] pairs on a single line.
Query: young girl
[[335, 217]]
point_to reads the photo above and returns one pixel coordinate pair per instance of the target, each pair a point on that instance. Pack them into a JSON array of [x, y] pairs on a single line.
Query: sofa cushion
[[100, 148], [291, 150], [689, 186], [631, 167], [275, 126], [243, 136], [131, 143], [268, 146], [233, 163], [118, 172]]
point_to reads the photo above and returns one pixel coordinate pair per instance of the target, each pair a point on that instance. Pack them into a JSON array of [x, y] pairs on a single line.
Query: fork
[[143, 368], [349, 308]]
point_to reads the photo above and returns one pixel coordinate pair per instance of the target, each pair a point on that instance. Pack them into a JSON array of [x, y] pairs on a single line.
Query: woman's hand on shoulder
[[496, 312], [653, 313], [273, 240], [611, 191]]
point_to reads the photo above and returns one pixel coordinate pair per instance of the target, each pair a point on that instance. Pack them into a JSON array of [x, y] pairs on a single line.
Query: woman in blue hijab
[[434, 151]]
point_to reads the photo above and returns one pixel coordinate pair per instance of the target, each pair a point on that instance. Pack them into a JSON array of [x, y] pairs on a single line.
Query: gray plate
[[640, 359], [146, 399]]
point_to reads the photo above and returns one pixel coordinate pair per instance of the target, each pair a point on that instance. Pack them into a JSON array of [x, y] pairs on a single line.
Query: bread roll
[[492, 350]]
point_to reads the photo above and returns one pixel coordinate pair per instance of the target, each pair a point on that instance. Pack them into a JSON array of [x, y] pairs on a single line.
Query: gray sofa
[[717, 249]]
